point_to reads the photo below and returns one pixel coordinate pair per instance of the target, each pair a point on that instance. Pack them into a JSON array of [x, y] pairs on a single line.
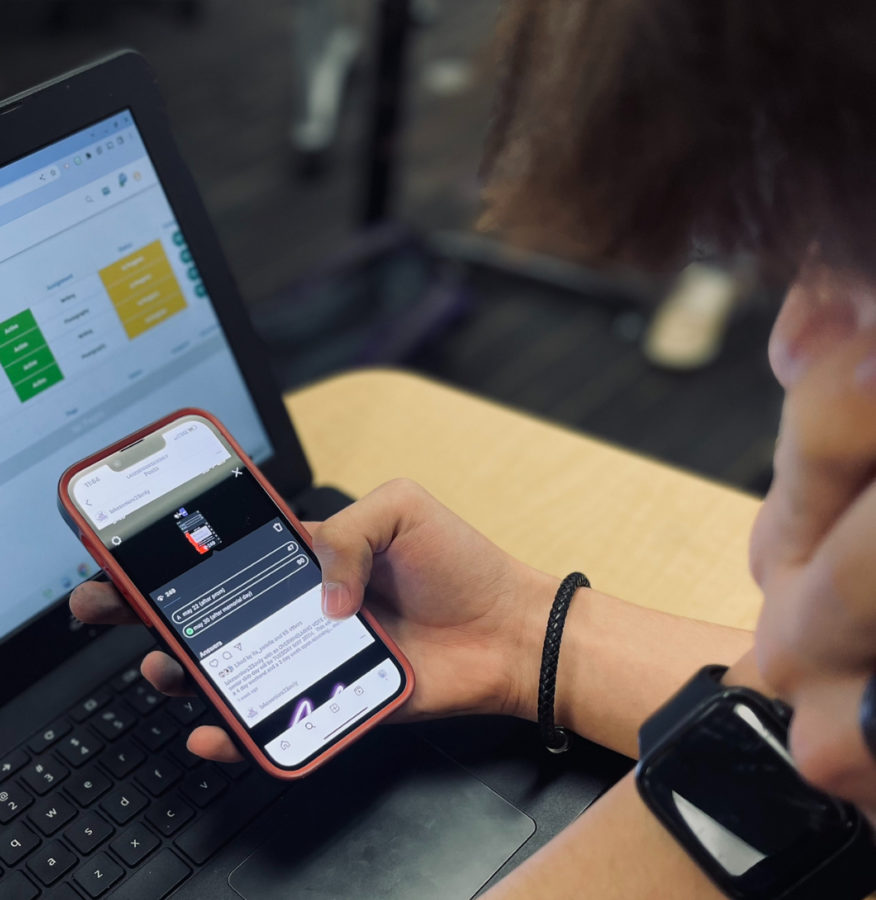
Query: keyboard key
[[135, 844], [126, 678], [237, 770], [49, 735], [186, 709], [50, 813], [156, 878], [79, 747], [16, 842], [87, 785], [158, 776], [50, 862], [89, 831], [181, 752], [144, 698], [89, 705], [61, 892], [12, 762], [43, 774], [227, 817], [156, 731], [122, 758], [169, 814], [13, 800], [114, 721], [122, 803], [17, 886], [203, 785], [98, 875]]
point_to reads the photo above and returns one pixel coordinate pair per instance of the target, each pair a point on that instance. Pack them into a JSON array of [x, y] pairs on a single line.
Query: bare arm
[[618, 662]]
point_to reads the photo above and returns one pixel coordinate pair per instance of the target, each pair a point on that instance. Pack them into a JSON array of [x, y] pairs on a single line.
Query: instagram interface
[[241, 590]]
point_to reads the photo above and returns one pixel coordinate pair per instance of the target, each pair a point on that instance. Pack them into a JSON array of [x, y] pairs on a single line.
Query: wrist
[[744, 673], [536, 592]]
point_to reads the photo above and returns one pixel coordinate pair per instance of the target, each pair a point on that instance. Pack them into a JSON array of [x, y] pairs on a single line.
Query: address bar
[[27, 184]]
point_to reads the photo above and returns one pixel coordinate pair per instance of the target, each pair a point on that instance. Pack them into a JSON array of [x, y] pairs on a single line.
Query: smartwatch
[[715, 769]]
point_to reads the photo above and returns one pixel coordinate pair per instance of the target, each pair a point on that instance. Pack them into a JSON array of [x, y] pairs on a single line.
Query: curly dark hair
[[633, 127]]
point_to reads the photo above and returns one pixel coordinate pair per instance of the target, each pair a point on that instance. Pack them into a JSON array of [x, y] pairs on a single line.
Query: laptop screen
[[105, 325]]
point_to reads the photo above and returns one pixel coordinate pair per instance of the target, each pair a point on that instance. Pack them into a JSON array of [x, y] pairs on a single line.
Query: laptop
[[98, 794]]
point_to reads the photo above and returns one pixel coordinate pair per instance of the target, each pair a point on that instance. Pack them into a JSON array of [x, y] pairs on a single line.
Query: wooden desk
[[557, 499]]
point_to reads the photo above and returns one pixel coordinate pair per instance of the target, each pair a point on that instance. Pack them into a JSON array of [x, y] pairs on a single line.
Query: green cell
[[186, 256], [17, 325], [18, 347], [40, 382], [34, 362], [178, 239], [200, 290], [193, 273]]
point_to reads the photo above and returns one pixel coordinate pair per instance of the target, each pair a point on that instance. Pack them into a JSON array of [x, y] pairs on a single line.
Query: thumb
[[346, 545]]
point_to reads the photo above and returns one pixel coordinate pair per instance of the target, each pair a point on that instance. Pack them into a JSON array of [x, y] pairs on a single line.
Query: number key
[[113, 721], [126, 678], [43, 774], [144, 698], [12, 801], [90, 704], [79, 747]]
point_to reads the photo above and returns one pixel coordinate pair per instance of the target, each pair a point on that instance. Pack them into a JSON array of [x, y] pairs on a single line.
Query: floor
[[568, 354]]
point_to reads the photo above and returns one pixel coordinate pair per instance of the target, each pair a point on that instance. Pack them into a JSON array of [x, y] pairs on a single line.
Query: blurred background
[[336, 144]]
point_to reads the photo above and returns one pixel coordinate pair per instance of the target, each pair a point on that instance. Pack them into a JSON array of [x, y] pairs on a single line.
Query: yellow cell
[[143, 289]]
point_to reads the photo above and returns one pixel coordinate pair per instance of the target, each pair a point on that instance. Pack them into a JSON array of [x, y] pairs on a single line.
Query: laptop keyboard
[[107, 801]]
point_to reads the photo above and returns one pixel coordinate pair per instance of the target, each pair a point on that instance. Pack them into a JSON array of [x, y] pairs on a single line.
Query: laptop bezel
[[47, 113]]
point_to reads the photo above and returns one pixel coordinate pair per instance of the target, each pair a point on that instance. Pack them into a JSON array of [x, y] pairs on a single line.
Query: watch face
[[726, 786]]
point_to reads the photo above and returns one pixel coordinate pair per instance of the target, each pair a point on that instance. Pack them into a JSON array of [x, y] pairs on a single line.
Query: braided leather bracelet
[[555, 737]]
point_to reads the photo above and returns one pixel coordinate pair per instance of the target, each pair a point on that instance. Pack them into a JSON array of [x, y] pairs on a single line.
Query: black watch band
[[715, 770]]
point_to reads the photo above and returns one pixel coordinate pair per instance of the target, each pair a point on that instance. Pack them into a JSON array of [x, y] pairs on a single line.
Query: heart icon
[[214, 662]]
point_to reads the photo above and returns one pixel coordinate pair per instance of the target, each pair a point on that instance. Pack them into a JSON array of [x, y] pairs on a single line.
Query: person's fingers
[[99, 603], [346, 543], [825, 455], [165, 674], [211, 742], [826, 741]]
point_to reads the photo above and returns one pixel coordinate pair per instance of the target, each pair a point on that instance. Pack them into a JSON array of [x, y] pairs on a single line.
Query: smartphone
[[211, 558]]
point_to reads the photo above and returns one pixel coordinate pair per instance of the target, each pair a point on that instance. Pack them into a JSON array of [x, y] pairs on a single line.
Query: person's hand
[[468, 616], [812, 553]]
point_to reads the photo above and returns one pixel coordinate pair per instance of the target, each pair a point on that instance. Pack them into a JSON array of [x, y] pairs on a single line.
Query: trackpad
[[400, 821]]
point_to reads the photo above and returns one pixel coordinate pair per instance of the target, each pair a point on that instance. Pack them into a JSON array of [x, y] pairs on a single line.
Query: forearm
[[618, 662], [616, 850]]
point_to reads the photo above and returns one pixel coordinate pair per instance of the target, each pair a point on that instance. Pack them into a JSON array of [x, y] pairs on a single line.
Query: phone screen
[[203, 541]]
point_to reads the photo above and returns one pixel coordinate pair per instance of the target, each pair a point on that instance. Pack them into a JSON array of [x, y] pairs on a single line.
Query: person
[[626, 131]]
